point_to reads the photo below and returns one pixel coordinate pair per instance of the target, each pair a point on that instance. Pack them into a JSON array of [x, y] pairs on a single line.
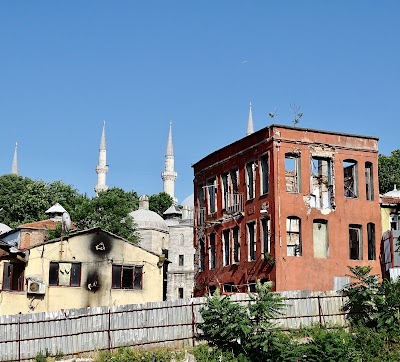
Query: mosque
[[171, 236]]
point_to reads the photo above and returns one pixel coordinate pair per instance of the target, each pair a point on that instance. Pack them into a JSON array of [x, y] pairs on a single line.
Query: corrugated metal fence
[[169, 323]]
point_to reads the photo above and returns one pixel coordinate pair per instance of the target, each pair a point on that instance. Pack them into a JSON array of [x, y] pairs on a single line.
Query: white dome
[[146, 219], [189, 201], [4, 228], [393, 193]]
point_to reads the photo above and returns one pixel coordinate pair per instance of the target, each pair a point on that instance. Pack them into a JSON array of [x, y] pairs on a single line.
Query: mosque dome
[[147, 219], [188, 202], [4, 228], [393, 193], [187, 207]]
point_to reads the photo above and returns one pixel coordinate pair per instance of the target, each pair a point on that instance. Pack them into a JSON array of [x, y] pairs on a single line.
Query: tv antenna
[[296, 114]]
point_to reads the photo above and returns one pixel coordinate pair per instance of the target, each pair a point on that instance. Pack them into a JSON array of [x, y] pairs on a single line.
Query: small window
[[355, 242], [202, 255], [212, 196], [227, 247], [251, 234], [264, 174], [229, 287], [371, 241], [180, 293], [127, 276], [266, 236], [293, 236], [236, 245], [369, 181], [65, 274], [251, 287], [13, 276], [181, 260], [292, 172], [212, 251], [320, 238], [250, 179], [350, 179]]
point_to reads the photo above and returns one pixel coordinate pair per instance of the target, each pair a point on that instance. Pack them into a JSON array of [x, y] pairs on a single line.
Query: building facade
[[292, 205]]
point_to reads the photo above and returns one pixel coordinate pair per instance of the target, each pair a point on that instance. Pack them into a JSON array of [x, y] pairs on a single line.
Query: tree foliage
[[389, 171], [159, 203]]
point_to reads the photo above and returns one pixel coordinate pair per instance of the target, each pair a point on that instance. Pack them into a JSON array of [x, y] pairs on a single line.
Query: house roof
[[47, 224]]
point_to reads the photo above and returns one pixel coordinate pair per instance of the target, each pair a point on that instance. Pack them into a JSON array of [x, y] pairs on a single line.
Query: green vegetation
[[127, 354], [24, 200], [389, 171]]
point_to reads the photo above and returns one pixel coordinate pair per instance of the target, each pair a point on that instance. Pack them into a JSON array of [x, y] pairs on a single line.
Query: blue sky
[[65, 66]]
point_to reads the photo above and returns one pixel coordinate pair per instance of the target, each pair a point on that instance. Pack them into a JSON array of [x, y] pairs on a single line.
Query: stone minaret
[[14, 168], [250, 126], [169, 175], [102, 167]]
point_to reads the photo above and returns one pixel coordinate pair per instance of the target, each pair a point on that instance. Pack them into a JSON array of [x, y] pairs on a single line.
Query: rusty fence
[[170, 323]]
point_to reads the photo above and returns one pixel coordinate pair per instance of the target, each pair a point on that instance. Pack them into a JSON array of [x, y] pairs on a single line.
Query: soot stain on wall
[[100, 244], [92, 283]]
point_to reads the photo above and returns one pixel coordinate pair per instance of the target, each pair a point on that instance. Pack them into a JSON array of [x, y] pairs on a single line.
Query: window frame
[[236, 244], [264, 174], [226, 236], [291, 233], [137, 270], [213, 251], [181, 260], [75, 272], [266, 235], [354, 228], [251, 237], [371, 237], [369, 181], [250, 180], [295, 158], [19, 281], [326, 241], [350, 167]]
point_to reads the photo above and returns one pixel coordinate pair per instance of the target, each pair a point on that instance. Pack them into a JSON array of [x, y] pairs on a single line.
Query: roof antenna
[[296, 114]]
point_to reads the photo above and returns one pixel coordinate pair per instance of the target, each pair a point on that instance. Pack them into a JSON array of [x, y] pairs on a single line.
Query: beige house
[[87, 268]]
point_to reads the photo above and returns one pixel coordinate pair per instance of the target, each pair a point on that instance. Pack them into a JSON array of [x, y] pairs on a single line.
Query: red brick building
[[292, 205]]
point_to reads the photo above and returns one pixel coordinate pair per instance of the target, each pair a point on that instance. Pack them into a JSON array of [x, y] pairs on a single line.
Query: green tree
[[389, 171], [109, 211], [159, 203]]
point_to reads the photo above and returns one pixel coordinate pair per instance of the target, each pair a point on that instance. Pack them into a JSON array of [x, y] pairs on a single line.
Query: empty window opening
[[65, 274], [251, 230], [212, 195], [292, 172], [13, 276], [371, 241], [236, 245], [250, 178], [322, 196], [394, 222], [127, 276], [355, 242], [212, 289], [202, 255], [350, 179], [180, 293], [293, 236], [181, 260], [320, 239], [212, 251], [227, 247], [264, 174], [266, 236], [229, 287], [225, 190], [369, 181]]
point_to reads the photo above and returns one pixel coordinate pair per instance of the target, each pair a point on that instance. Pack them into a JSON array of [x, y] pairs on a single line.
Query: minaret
[[169, 175], [14, 169], [102, 167], [250, 126]]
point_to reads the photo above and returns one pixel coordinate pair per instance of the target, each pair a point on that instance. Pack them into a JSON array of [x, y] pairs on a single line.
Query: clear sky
[[65, 66]]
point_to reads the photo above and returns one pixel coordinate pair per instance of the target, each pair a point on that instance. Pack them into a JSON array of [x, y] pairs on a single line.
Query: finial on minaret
[[102, 167], [169, 175], [14, 169], [250, 126]]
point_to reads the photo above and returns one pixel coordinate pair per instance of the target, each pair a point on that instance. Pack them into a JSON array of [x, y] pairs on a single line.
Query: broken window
[[320, 239], [292, 172], [265, 226], [264, 174], [13, 276], [322, 196], [233, 201], [65, 274], [127, 276], [250, 179], [212, 251], [227, 247], [225, 190], [251, 234], [371, 241], [355, 242], [181, 260], [202, 254], [201, 211], [369, 181], [350, 179], [293, 236], [211, 195], [236, 245]]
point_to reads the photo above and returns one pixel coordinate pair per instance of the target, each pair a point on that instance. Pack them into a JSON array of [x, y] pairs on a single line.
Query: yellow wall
[[96, 266]]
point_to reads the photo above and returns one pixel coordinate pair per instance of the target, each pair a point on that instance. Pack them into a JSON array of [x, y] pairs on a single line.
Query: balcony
[[234, 202]]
